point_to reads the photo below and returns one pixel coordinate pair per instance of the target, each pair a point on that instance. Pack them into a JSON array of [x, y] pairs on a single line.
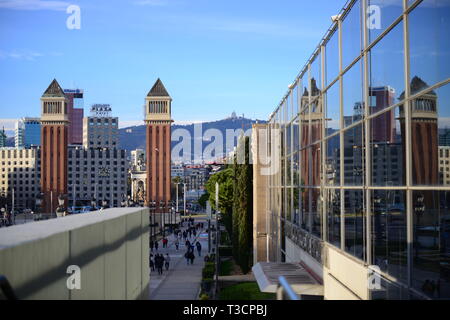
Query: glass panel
[[288, 139], [387, 68], [333, 161], [332, 58], [430, 137], [315, 85], [354, 223], [288, 194], [381, 14], [351, 35], [316, 212], [431, 249], [295, 169], [305, 139], [295, 135], [304, 208], [354, 156], [353, 95], [294, 105], [315, 164], [429, 24], [333, 109], [316, 115], [333, 200], [288, 171], [387, 150], [296, 209], [389, 243]]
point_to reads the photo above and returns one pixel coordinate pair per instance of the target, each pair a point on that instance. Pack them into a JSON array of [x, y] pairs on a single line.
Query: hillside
[[134, 137]]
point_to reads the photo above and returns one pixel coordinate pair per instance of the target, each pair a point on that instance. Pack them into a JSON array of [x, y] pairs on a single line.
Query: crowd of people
[[188, 231]]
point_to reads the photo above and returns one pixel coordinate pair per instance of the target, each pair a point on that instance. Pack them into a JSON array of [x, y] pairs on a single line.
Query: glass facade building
[[362, 138], [27, 133]]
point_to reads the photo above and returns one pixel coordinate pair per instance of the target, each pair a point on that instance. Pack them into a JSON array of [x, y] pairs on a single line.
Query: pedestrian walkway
[[182, 281]]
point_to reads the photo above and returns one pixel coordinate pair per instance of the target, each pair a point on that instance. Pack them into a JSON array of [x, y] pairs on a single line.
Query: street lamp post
[[184, 196]]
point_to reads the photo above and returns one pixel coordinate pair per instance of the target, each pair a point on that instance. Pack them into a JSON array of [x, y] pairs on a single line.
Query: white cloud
[[20, 55], [34, 5]]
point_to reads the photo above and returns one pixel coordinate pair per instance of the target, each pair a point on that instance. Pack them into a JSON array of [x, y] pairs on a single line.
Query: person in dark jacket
[[191, 256]]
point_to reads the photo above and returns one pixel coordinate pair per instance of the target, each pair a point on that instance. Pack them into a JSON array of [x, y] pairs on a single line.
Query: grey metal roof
[[158, 90], [54, 90]]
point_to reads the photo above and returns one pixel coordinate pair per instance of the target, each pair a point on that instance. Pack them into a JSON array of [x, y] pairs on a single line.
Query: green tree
[[203, 199], [243, 206], [225, 180]]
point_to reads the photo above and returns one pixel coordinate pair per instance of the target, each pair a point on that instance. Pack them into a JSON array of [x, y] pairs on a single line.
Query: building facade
[[20, 170], [360, 192], [158, 104], [27, 133], [75, 110], [3, 138], [100, 174], [101, 129]]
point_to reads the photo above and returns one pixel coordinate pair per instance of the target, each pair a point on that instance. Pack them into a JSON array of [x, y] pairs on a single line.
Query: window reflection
[[354, 223], [333, 109], [389, 243], [316, 212], [332, 176], [387, 150], [428, 134], [431, 249], [381, 14], [353, 90], [332, 58], [429, 41], [351, 35], [387, 68], [354, 156], [333, 199]]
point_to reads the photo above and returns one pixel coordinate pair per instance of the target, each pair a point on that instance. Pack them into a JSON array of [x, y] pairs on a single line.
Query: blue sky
[[214, 56]]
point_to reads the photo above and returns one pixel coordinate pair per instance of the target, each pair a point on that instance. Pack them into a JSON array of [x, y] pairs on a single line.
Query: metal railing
[[285, 291], [7, 291]]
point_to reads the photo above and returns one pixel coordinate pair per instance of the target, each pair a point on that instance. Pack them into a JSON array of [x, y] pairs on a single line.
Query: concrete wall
[[110, 247], [344, 276], [260, 194]]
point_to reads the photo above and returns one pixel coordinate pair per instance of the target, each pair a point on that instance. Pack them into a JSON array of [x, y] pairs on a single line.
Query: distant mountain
[[134, 137]]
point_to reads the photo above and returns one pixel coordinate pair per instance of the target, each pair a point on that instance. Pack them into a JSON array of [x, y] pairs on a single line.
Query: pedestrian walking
[[156, 246], [151, 245], [152, 263], [188, 244], [167, 261], [177, 244], [191, 257], [186, 256], [199, 248], [165, 241], [159, 261]]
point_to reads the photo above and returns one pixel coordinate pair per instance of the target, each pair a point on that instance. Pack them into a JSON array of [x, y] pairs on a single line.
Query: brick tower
[[158, 121], [54, 138]]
